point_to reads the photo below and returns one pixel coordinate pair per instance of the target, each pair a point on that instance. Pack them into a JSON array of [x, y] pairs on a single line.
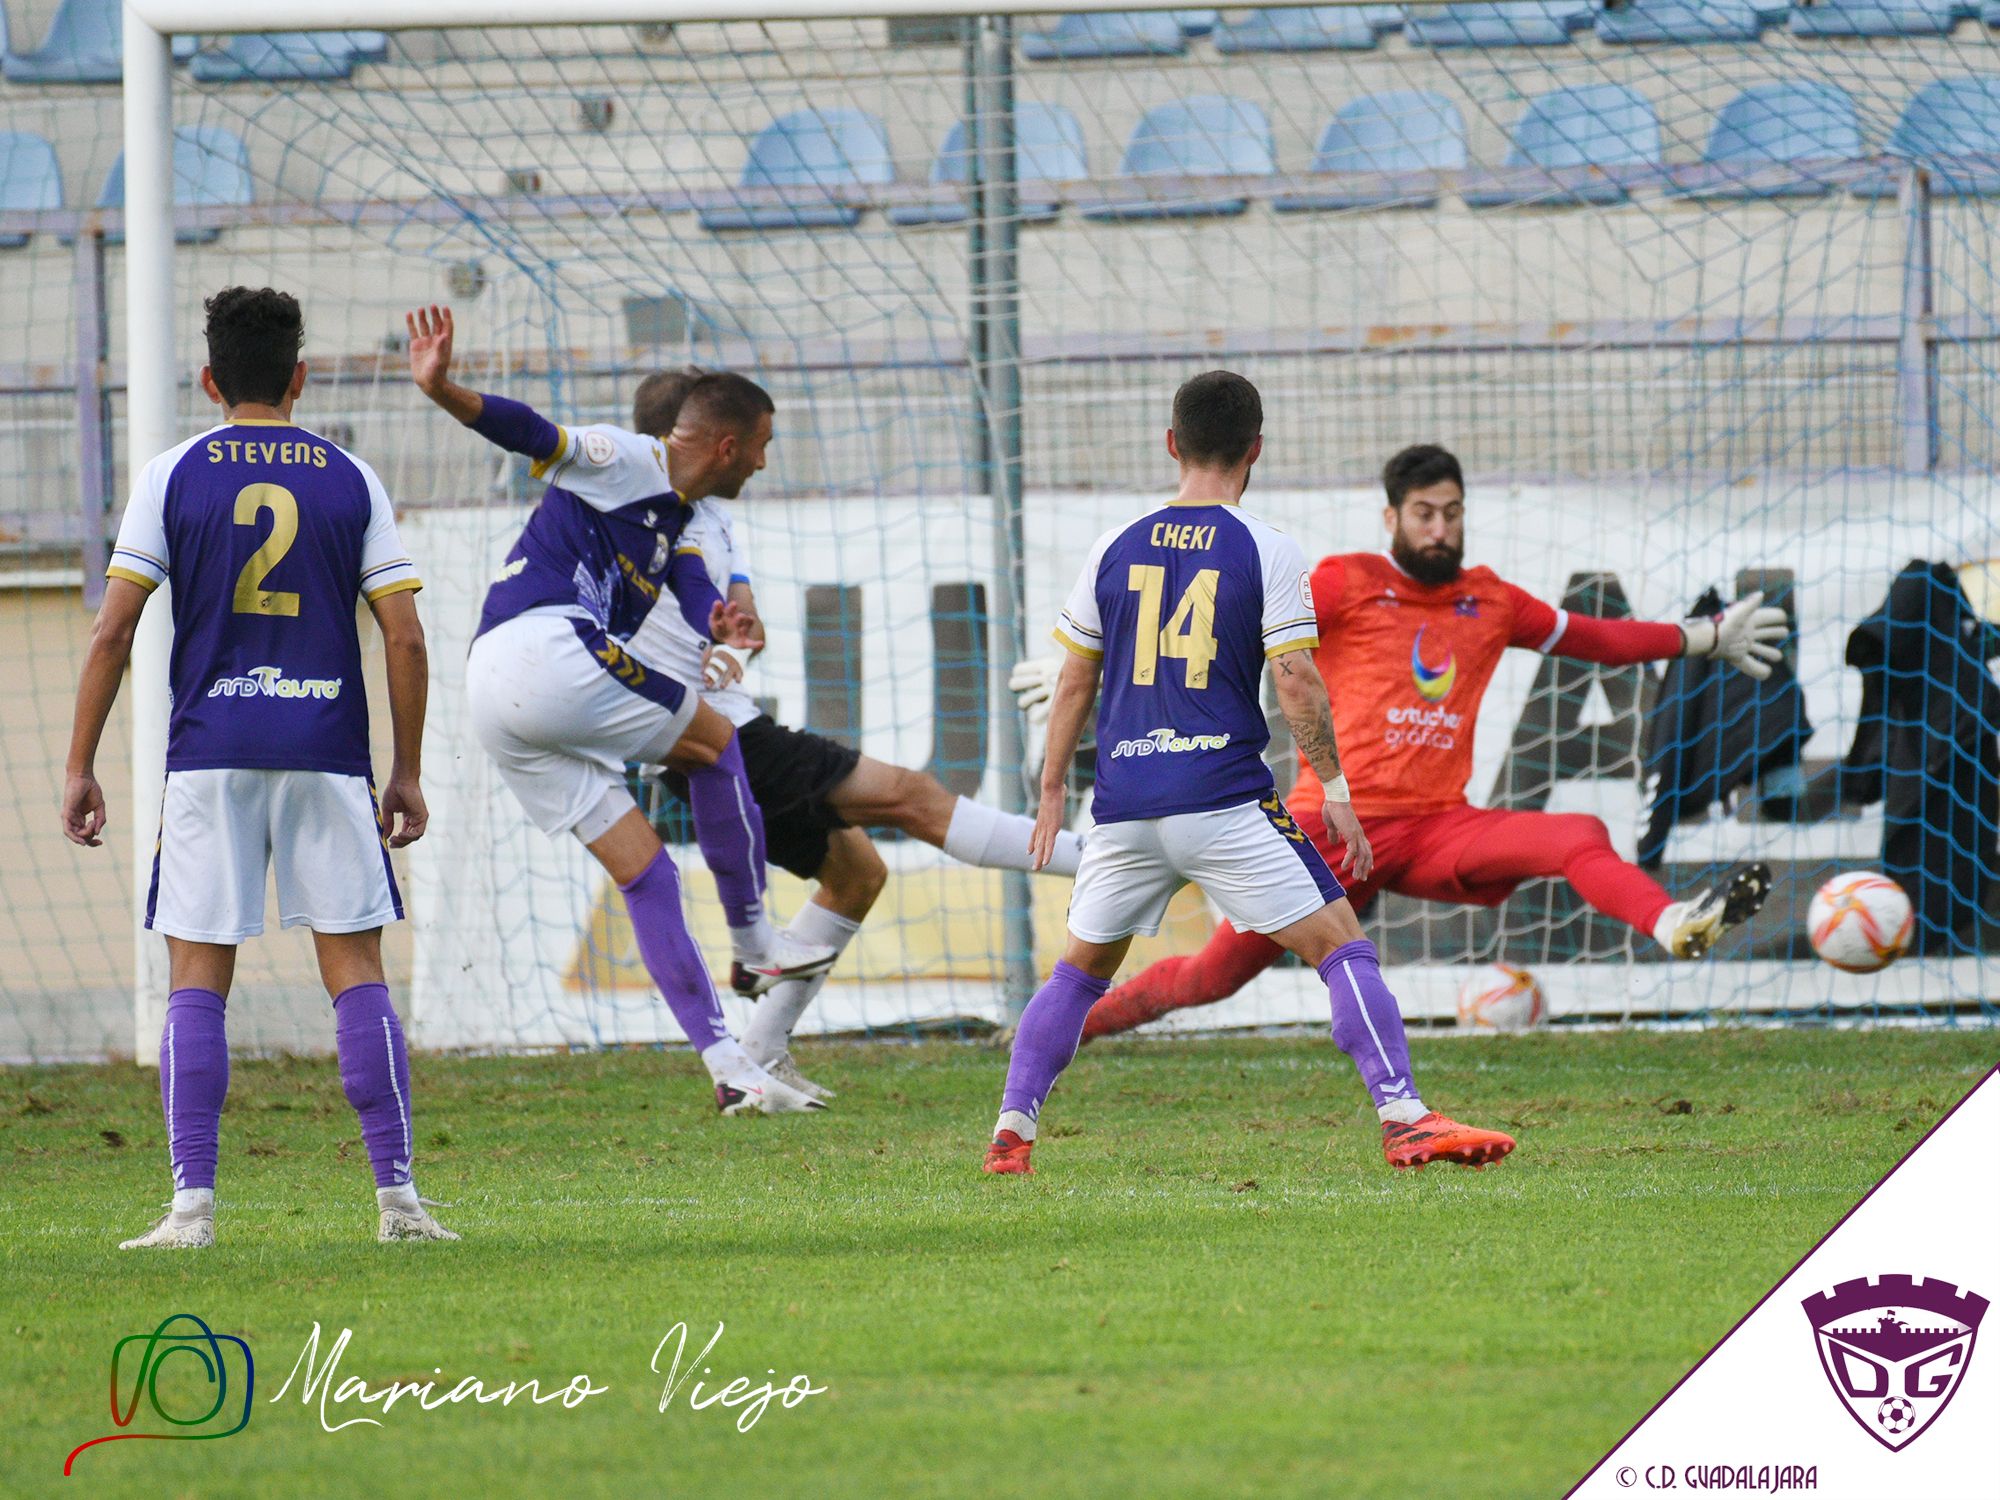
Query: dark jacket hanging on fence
[[1927, 746], [1713, 729]]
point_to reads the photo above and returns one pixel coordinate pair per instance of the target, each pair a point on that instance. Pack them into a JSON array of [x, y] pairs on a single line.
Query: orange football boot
[[1438, 1138], [1009, 1154]]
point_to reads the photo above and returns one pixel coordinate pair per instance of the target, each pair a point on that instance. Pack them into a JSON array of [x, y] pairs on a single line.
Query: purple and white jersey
[[268, 533], [1184, 606], [668, 642], [601, 542]]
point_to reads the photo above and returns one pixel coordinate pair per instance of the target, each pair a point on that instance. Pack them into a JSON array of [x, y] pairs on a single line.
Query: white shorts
[[562, 725], [1251, 860], [220, 830]]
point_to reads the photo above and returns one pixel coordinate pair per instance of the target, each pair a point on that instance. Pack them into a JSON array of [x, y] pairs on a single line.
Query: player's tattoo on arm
[[1302, 697]]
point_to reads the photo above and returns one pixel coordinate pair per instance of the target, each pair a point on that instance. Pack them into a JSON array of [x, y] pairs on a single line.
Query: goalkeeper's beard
[[1437, 564]]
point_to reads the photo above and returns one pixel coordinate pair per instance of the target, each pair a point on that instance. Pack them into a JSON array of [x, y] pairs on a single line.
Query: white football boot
[[190, 1229], [1689, 929], [744, 1087], [788, 959], [405, 1216], [786, 1071]]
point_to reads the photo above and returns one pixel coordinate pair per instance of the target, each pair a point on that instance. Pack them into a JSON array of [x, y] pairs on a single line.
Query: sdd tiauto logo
[[204, 1393]]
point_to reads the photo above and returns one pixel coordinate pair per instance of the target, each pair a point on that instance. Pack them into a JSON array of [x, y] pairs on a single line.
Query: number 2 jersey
[[269, 535], [1184, 606]]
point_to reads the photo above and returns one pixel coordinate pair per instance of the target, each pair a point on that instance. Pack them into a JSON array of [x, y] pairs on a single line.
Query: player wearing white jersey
[[817, 794], [267, 533], [1179, 612], [562, 706]]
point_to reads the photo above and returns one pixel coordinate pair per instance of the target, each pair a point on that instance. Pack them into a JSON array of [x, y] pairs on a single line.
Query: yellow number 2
[[1189, 634], [252, 598]]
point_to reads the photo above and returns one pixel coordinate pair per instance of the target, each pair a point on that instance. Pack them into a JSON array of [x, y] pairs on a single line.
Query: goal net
[[1701, 294]]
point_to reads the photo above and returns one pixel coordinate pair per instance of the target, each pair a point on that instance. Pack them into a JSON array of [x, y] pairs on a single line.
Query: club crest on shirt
[[598, 448], [660, 554], [1466, 607]]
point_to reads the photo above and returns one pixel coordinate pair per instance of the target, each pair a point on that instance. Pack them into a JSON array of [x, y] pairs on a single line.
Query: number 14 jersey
[[269, 535], [1184, 606]]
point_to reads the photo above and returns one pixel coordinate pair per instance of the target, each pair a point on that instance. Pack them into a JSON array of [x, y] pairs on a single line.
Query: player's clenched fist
[[83, 810]]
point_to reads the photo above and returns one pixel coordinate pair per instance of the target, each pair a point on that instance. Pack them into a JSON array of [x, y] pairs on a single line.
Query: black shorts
[[792, 771]]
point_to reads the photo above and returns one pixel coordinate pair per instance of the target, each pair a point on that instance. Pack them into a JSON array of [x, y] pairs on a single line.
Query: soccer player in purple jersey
[[562, 706], [1178, 612], [267, 533]]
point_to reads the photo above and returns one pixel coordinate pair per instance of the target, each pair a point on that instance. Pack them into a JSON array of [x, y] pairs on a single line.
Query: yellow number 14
[[1189, 634]]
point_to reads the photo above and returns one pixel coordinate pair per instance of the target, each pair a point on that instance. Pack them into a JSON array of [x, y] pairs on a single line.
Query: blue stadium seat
[[85, 44], [1877, 18], [1403, 131], [1807, 126], [1196, 22], [1209, 135], [801, 155], [1048, 147], [1575, 134], [1391, 17], [280, 56], [1311, 28], [1505, 23], [211, 170], [30, 180], [1108, 33], [1952, 127], [1685, 21]]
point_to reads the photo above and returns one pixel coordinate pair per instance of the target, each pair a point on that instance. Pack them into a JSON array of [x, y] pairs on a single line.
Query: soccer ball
[[1860, 922], [1895, 1414], [1500, 997]]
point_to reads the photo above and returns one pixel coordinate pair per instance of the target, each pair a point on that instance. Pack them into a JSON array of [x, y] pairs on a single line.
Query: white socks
[[752, 944], [1014, 1120], [403, 1198], [194, 1201], [996, 840], [726, 1060], [1672, 917], [770, 1030], [1402, 1111]]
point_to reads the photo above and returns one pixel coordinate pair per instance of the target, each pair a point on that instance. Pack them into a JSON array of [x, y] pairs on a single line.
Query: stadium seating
[[1048, 142], [29, 179], [1505, 23], [1683, 21], [1107, 33], [1406, 133], [1312, 28], [85, 44], [1210, 135], [1564, 142], [1775, 141], [1952, 127], [211, 170], [1876, 18], [283, 56], [1384, 17], [794, 160]]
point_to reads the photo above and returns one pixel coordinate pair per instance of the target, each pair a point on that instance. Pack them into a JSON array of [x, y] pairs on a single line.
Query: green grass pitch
[[1212, 1287]]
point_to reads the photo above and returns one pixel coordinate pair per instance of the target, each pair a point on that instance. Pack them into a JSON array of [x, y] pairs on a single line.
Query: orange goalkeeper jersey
[[1405, 665]]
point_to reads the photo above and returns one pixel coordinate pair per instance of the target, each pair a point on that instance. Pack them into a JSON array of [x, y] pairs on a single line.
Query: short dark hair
[[253, 343], [1418, 468], [657, 402], [727, 399], [1217, 416]]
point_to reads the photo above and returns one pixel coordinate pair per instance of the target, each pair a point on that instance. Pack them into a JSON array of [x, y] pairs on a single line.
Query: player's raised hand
[[733, 625], [1048, 823], [430, 347], [1357, 860], [1746, 636], [402, 797], [83, 811]]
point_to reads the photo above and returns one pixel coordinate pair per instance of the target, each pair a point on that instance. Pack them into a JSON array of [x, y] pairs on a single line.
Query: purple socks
[[194, 1080], [1367, 1026], [670, 955], [729, 826], [1046, 1038], [375, 1072]]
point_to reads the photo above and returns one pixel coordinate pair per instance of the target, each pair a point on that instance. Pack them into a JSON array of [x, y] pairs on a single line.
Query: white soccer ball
[[1500, 997], [1860, 922]]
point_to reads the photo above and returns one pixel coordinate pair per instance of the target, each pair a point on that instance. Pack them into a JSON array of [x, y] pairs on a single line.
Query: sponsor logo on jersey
[[1433, 683], [271, 682], [1167, 742], [1421, 728]]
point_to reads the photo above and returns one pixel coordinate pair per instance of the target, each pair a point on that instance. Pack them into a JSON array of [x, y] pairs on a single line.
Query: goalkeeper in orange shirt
[[1408, 641]]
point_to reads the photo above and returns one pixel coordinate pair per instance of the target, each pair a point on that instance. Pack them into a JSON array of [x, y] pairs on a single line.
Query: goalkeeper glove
[[1033, 683], [1745, 635]]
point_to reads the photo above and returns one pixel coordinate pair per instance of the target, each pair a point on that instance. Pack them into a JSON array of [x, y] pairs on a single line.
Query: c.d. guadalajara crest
[[1895, 1349]]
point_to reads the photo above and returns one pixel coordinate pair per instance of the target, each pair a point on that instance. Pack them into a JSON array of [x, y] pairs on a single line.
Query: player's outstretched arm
[[1747, 635], [409, 689], [1069, 710], [104, 664], [508, 424], [1302, 699]]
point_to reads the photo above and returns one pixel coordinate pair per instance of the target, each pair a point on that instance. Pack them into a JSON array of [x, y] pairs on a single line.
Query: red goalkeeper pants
[[1470, 855]]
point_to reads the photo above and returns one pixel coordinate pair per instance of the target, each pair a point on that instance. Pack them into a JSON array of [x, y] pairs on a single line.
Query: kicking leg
[[1228, 961], [729, 826], [375, 1074], [1045, 1042], [850, 878], [876, 795], [194, 1083]]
